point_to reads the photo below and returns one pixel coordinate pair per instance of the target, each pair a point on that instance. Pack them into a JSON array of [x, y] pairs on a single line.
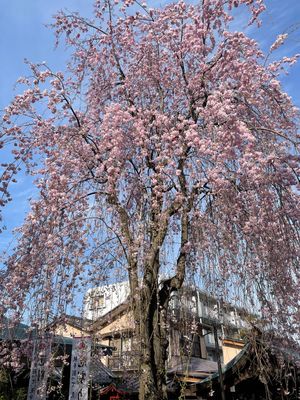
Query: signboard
[[80, 368], [39, 371]]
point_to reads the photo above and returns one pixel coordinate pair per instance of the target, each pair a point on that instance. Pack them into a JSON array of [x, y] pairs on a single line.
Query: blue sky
[[23, 35]]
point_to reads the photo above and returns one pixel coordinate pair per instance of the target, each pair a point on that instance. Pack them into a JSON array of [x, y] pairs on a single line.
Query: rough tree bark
[[150, 309]]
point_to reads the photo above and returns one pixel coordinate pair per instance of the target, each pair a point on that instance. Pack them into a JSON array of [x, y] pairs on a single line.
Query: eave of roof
[[111, 316]]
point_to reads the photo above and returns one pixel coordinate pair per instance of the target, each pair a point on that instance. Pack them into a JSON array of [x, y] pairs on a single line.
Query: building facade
[[101, 300], [193, 316]]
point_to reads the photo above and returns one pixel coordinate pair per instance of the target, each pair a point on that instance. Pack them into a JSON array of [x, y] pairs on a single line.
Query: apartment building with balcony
[[109, 309]]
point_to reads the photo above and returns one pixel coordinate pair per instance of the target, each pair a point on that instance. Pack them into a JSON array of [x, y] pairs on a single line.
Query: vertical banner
[[39, 371], [80, 368]]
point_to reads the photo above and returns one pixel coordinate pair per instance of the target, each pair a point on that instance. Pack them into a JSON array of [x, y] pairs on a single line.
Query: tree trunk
[[150, 308], [154, 345], [151, 319]]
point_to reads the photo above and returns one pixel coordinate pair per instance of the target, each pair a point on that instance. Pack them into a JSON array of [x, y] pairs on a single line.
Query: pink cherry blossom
[[167, 134]]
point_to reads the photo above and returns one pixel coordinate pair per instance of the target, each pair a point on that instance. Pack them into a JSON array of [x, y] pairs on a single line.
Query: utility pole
[[219, 362]]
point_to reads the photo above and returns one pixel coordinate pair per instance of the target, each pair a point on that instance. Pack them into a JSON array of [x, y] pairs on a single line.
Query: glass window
[[126, 344], [196, 350], [97, 302]]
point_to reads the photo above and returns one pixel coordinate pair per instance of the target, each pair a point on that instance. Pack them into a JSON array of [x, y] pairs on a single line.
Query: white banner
[[39, 371], [80, 368]]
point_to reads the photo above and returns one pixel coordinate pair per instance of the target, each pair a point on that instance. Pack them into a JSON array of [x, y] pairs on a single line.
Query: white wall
[[113, 295], [116, 293]]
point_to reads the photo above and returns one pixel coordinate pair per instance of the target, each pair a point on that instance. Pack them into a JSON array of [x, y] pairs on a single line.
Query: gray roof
[[11, 332], [100, 373], [240, 361], [194, 367]]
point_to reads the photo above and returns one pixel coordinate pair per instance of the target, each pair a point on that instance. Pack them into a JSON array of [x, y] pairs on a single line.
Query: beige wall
[[230, 351], [67, 330], [120, 324]]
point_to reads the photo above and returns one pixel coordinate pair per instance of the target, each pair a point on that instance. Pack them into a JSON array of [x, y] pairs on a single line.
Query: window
[[97, 302], [190, 345], [211, 356], [196, 349], [116, 344], [209, 338], [126, 344]]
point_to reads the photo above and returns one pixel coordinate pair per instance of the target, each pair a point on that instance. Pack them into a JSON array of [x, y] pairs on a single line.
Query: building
[[101, 300], [262, 370], [193, 352], [18, 359], [69, 326], [104, 304], [191, 304]]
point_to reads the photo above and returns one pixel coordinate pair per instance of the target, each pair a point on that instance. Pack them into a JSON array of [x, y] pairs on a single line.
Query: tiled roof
[[100, 373], [194, 367], [10, 332]]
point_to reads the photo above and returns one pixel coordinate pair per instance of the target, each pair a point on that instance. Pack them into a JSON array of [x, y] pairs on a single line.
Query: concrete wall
[[111, 296]]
